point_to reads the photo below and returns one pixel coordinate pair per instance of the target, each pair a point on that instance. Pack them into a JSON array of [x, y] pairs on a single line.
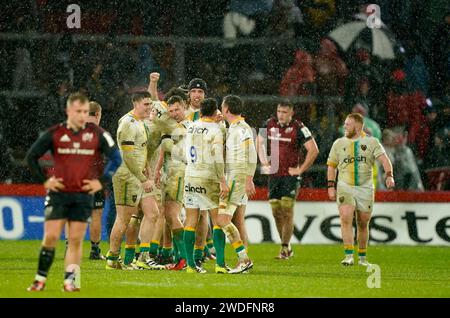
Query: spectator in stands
[[23, 72], [300, 77], [406, 109], [286, 19], [319, 15], [365, 84], [407, 176], [439, 154], [416, 71], [242, 16], [330, 70], [97, 85]]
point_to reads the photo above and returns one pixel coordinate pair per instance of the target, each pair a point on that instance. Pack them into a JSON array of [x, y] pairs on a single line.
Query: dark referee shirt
[[285, 142], [75, 155]]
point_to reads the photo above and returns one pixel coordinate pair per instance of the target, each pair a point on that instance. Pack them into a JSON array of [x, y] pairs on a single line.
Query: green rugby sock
[[166, 252], [129, 254], [219, 245], [189, 241], [154, 246], [178, 241], [198, 252]]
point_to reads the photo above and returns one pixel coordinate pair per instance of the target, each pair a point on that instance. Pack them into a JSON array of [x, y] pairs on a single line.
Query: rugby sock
[[112, 258], [219, 245], [166, 252], [240, 250], [154, 246], [46, 256], [144, 247], [189, 241], [177, 235], [95, 246], [129, 254], [175, 253], [348, 249], [362, 252], [73, 274], [206, 251], [210, 245], [137, 251], [198, 252]]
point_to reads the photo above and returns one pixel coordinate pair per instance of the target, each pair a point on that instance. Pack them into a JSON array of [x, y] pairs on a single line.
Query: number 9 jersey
[[204, 150]]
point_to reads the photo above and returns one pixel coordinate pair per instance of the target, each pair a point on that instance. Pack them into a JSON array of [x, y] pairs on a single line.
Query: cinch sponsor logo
[[75, 151], [353, 159], [197, 130], [189, 188]]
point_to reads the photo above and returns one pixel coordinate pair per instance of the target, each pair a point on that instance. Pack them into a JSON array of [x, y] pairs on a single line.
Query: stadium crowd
[[405, 100]]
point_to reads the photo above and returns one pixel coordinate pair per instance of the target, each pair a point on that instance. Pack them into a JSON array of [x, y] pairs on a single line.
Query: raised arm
[[153, 86]]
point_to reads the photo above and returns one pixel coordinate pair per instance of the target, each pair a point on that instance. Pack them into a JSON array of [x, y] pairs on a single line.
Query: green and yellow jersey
[[355, 158], [192, 114]]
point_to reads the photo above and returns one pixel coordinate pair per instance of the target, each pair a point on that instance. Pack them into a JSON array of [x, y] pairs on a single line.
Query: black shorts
[[71, 206], [284, 186], [99, 199]]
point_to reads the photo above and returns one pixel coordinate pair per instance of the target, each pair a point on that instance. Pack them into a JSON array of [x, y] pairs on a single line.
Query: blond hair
[[357, 118], [94, 108]]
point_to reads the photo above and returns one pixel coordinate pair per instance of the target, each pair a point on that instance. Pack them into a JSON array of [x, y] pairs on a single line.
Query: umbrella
[[382, 43]]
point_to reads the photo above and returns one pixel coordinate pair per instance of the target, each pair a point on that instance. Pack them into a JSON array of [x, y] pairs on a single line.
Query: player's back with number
[[202, 139]]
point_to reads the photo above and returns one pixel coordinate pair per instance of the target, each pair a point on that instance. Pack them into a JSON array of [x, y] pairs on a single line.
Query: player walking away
[[174, 161], [240, 166], [204, 179], [75, 145], [130, 181], [354, 156], [286, 137]]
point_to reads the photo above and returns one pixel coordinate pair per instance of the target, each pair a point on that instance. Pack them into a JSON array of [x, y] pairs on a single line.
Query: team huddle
[[182, 173]]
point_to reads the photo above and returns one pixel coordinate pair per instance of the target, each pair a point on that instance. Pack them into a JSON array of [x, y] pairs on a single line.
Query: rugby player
[[240, 166], [130, 181], [75, 146], [204, 178], [286, 137], [354, 156]]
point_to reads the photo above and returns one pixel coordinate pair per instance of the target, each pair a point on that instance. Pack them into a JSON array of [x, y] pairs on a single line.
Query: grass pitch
[[315, 271]]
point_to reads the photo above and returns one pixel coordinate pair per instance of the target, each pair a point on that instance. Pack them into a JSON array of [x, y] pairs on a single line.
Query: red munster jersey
[[76, 154], [284, 143]]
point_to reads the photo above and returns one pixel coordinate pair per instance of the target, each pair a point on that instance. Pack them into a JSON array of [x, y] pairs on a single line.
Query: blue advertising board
[[22, 218]]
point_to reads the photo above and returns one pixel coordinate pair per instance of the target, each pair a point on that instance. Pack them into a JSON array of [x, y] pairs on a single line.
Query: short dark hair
[[136, 97], [208, 107], [174, 99], [234, 103], [285, 103], [176, 91], [77, 97]]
